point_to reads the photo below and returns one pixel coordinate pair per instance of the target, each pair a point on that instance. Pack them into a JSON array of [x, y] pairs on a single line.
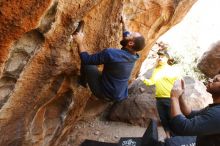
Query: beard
[[124, 43], [214, 92]]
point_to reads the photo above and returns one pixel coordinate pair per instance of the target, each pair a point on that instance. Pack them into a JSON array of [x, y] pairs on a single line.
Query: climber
[[203, 123], [163, 77], [112, 83]]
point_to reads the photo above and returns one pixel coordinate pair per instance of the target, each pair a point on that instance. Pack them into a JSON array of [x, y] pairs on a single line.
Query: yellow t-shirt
[[163, 77]]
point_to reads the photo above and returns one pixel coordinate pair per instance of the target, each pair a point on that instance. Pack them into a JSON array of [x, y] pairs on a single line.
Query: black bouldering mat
[[130, 141], [97, 143]]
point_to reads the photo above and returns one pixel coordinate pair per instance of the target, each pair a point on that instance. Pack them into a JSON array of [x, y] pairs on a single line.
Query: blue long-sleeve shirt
[[205, 124], [118, 65]]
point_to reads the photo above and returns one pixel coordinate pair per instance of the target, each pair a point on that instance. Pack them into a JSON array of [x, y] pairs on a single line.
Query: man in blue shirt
[[112, 83], [204, 123]]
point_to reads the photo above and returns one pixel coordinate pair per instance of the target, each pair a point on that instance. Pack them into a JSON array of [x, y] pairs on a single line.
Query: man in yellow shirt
[[163, 77]]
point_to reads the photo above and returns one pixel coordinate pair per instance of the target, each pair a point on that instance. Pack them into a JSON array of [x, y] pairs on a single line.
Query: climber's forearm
[[186, 109], [175, 107], [81, 48]]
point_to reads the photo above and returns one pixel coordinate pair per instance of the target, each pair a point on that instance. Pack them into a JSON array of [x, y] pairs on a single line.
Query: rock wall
[[40, 99]]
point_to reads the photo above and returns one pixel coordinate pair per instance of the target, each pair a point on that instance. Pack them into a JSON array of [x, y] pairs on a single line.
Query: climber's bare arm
[[79, 38]]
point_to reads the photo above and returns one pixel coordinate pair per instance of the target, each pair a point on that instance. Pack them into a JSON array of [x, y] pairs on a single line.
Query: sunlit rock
[[41, 100], [209, 63]]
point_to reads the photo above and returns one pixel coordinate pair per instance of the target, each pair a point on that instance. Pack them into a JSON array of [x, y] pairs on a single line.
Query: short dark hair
[[139, 43]]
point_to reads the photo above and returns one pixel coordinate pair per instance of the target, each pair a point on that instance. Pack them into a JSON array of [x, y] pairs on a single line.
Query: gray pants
[[92, 76]]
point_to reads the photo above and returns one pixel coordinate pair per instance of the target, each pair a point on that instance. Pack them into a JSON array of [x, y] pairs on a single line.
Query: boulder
[[138, 108], [209, 63], [141, 104], [39, 63], [195, 94]]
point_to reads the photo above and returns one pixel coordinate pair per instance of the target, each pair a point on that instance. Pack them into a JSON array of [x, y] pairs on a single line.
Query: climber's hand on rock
[[78, 37]]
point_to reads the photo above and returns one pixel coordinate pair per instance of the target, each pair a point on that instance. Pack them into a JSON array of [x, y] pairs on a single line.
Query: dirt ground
[[98, 128]]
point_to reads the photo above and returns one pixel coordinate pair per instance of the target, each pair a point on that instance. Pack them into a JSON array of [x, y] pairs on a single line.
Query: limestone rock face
[[209, 63], [40, 99], [141, 104]]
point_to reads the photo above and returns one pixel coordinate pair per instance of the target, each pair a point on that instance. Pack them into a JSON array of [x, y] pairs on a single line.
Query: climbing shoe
[[82, 81]]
